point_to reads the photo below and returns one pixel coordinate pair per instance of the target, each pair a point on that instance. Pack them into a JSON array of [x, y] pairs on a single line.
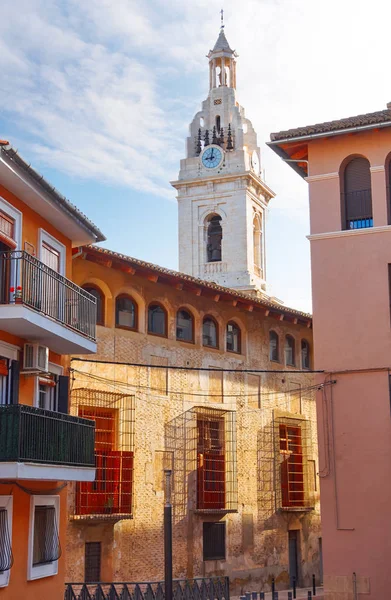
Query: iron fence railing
[[213, 588], [30, 434], [26, 280], [358, 209]]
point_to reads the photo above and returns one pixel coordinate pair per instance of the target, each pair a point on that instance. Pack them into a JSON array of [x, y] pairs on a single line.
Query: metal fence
[[213, 588], [44, 436], [26, 280]]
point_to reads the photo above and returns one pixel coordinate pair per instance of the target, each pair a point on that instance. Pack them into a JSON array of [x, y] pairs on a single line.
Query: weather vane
[[222, 18]]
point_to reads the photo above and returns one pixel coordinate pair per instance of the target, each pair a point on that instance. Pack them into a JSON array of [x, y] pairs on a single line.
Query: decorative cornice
[[321, 177], [349, 232]]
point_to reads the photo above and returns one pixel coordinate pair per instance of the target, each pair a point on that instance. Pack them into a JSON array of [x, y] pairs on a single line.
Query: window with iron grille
[[6, 557], [46, 547], [213, 541], [92, 562], [292, 443], [203, 443], [44, 541], [110, 495], [357, 194]]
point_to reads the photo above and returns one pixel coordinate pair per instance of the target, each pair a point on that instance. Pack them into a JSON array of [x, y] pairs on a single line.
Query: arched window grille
[[184, 326], [274, 350], [357, 194], [257, 245], [305, 354], [98, 295], [157, 320], [289, 351], [233, 338], [125, 312], [209, 332], [214, 238]]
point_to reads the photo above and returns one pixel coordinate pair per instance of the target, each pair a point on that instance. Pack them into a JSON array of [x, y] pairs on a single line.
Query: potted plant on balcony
[[109, 505]]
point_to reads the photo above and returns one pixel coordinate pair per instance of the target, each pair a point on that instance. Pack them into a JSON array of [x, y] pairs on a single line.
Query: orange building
[[44, 317]]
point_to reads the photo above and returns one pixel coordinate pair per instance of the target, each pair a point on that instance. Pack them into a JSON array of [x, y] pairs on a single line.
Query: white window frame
[[54, 369], [17, 216], [45, 237], [40, 571], [7, 503]]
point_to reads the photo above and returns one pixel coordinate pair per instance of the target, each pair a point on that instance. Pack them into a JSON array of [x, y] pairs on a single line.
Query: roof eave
[[286, 158], [60, 200]]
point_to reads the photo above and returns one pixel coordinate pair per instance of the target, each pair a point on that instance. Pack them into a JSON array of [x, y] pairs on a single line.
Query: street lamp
[[167, 536]]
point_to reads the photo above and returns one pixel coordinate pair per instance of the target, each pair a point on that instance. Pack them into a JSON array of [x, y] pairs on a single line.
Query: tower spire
[[222, 18]]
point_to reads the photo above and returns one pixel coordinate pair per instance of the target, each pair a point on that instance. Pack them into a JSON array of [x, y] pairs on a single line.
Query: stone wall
[[256, 532]]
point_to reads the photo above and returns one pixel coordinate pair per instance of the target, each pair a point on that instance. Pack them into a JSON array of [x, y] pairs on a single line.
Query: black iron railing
[[358, 209], [26, 280], [208, 588], [29, 434]]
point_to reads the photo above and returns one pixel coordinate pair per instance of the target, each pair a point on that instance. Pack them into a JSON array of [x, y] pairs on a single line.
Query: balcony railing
[[26, 280], [358, 209], [109, 496], [29, 434], [201, 588]]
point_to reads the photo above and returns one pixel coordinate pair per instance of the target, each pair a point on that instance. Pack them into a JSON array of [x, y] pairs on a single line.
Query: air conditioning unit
[[35, 358]]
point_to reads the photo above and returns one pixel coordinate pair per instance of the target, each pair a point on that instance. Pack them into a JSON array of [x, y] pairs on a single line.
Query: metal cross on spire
[[222, 18]]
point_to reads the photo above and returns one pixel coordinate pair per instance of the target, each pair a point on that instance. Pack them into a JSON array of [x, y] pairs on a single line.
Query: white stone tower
[[221, 197]]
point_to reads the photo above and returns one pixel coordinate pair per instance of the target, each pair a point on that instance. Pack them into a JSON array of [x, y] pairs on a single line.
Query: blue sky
[[98, 96]]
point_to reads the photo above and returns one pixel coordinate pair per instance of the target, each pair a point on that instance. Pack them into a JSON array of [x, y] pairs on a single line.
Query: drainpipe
[[355, 597]]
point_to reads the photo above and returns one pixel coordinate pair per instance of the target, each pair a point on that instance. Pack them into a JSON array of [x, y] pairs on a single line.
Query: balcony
[[46, 445], [39, 304]]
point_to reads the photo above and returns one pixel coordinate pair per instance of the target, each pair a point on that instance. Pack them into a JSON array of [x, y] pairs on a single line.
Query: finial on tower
[[222, 18]]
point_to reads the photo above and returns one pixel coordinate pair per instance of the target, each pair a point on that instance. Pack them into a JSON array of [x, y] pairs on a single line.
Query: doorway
[[293, 543]]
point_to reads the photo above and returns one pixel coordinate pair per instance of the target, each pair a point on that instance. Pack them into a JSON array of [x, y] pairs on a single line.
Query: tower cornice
[[248, 176]]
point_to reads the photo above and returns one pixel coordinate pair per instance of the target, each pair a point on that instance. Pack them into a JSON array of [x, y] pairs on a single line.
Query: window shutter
[[14, 382], [63, 394], [214, 541]]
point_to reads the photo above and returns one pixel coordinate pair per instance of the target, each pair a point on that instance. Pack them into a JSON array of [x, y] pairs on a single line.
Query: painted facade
[[222, 199], [347, 166], [230, 436], [44, 317]]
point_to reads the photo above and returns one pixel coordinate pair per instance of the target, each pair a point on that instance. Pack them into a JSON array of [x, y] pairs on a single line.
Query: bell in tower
[[222, 198]]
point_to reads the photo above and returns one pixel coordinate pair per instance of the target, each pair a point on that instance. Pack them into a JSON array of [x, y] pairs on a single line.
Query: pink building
[[348, 168]]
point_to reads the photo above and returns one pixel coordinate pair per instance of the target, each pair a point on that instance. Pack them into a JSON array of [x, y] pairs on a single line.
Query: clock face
[[212, 157], [255, 162]]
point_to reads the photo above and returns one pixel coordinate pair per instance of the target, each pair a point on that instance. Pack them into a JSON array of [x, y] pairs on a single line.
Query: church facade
[[199, 371]]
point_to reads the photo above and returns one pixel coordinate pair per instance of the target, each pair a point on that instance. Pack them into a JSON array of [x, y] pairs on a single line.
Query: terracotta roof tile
[[263, 301], [375, 118]]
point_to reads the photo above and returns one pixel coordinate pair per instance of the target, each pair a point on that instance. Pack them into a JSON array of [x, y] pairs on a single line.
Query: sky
[[98, 96]]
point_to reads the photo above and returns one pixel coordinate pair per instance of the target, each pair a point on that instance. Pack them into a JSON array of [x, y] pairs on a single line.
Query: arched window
[[157, 319], [233, 338], [357, 194], [274, 350], [218, 123], [210, 332], [214, 237], [289, 351], [257, 245], [388, 186], [98, 295], [125, 312], [305, 354], [184, 326]]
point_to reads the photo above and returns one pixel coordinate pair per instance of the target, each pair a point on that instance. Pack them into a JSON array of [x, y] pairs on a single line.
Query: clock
[[255, 162], [212, 156]]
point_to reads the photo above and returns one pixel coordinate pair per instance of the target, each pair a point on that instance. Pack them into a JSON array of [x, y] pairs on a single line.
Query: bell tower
[[222, 199]]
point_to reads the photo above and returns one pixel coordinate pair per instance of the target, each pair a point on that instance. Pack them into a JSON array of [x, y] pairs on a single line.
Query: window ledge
[[349, 232], [295, 509], [214, 511], [101, 517]]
